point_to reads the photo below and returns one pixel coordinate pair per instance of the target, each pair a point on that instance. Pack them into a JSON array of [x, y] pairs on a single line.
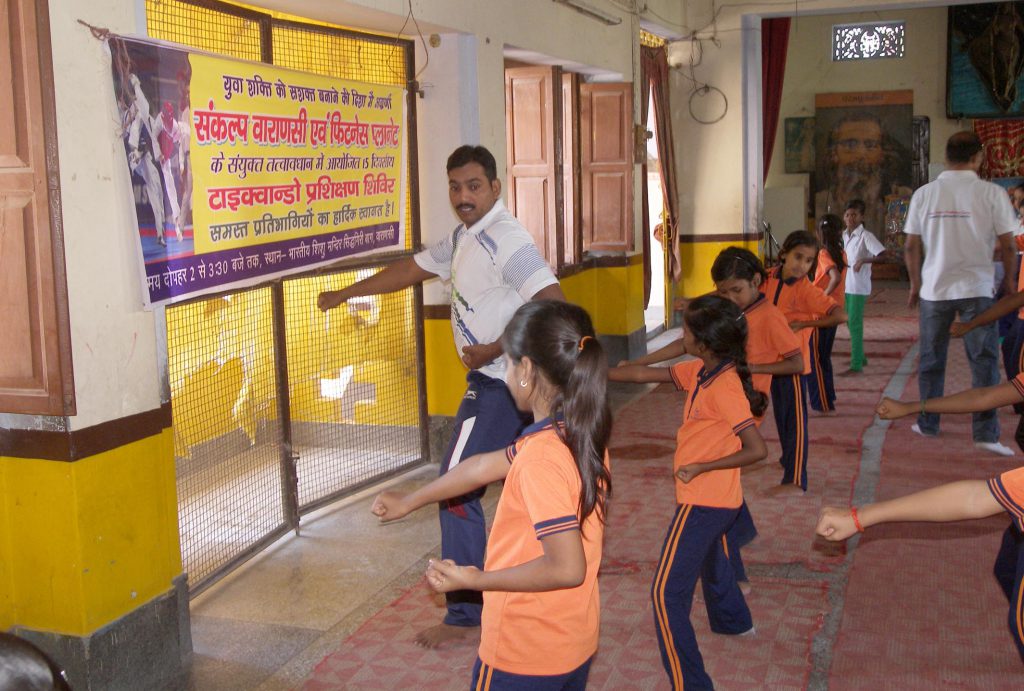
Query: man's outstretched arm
[[399, 275]]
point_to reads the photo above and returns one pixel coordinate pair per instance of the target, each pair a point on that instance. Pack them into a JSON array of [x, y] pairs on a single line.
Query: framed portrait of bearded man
[[864, 144]]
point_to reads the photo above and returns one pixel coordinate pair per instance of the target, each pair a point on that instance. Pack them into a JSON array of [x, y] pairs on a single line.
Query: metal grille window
[[277, 407], [226, 429], [868, 40], [208, 26], [346, 55], [353, 380]]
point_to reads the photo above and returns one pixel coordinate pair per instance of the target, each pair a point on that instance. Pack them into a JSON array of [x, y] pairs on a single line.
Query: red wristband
[[856, 521]]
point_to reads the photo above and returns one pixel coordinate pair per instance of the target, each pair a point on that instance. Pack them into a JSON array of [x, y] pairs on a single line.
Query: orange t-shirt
[[769, 339], [1008, 488], [1019, 244], [556, 631], [799, 300], [821, 278], [716, 412]]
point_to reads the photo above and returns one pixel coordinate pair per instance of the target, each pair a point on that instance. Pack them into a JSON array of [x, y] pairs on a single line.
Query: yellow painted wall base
[[84, 543], [445, 373], [696, 259], [614, 296]]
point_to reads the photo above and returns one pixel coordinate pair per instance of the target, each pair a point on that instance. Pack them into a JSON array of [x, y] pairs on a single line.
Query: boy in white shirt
[[862, 249]]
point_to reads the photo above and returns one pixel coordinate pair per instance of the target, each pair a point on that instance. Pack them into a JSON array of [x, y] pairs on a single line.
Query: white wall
[[112, 337], [810, 70], [719, 179]]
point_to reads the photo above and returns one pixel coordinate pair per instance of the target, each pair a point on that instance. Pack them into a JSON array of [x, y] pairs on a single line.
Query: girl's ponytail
[[588, 424], [559, 339], [758, 401], [831, 227]]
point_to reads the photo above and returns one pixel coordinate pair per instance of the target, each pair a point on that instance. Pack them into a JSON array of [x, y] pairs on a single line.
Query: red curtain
[[774, 44], [654, 70], [1004, 147]]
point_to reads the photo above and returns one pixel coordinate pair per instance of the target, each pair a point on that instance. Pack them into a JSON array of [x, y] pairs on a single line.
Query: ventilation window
[[868, 40]]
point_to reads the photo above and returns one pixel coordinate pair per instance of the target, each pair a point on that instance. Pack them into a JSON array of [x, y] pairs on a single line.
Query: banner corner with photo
[[244, 172]]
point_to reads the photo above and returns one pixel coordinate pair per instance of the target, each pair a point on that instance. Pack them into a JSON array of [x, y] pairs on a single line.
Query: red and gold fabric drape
[[1004, 147]]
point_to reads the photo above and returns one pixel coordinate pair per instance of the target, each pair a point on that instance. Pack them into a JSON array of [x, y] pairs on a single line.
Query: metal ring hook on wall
[[702, 91]]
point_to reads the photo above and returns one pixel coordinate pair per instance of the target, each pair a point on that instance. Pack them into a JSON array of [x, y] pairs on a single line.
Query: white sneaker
[[916, 429], [995, 447]]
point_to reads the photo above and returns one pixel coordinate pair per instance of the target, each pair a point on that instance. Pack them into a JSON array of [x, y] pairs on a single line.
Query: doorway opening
[[655, 314]]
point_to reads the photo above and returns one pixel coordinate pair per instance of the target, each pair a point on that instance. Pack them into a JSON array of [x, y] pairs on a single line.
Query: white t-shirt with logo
[[959, 216], [860, 244], [494, 268]]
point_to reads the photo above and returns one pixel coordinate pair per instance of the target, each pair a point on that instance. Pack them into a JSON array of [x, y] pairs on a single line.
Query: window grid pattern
[[354, 400], [227, 433], [868, 40], [354, 386], [204, 27], [336, 53]]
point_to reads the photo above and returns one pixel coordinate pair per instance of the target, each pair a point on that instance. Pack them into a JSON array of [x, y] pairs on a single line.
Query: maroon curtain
[[774, 44], [654, 67]]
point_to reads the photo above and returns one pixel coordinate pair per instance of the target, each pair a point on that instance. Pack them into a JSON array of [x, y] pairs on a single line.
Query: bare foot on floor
[[745, 587], [437, 636]]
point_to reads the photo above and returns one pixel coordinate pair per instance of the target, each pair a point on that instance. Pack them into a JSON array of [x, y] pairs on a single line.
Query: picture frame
[[799, 143], [994, 31]]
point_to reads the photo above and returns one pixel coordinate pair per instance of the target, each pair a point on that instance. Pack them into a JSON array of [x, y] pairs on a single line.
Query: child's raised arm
[[956, 501], [794, 364], [833, 318], [669, 352], [969, 401], [753, 450], [639, 374], [475, 471], [563, 565], [1008, 304]]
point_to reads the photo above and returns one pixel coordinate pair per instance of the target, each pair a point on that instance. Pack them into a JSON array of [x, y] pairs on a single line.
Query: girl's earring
[[523, 383]]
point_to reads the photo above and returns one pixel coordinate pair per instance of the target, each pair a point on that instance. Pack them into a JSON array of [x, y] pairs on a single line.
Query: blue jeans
[[982, 347]]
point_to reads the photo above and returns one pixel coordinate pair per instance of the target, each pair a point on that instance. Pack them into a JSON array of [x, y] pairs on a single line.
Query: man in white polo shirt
[[494, 268], [956, 223]]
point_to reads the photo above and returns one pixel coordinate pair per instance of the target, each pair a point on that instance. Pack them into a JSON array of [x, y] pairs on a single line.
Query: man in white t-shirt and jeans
[[956, 223], [862, 250], [494, 268]]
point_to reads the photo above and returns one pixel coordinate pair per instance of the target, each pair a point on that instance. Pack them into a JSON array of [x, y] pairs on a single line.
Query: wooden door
[[606, 166], [573, 245], [533, 117], [35, 360]]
